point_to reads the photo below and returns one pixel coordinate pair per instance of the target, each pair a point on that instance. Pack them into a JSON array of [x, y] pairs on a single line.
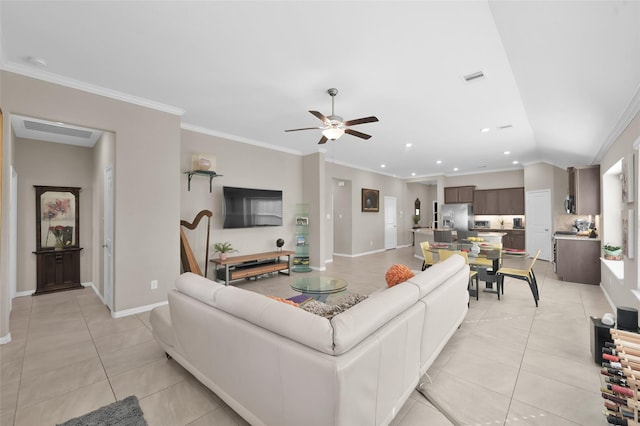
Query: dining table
[[484, 257]]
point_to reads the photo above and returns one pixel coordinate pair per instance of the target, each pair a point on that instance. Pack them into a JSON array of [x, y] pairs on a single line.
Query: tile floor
[[509, 363]]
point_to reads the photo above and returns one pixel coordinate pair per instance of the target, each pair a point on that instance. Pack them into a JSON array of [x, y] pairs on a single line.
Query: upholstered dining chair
[[427, 254], [444, 254], [522, 274]]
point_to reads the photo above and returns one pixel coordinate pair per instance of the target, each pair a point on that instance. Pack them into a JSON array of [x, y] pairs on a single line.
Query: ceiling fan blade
[[304, 128], [371, 119], [319, 115], [357, 134], [323, 140]]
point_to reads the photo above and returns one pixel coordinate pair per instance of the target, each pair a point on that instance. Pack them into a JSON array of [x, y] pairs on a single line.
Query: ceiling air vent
[[59, 130], [507, 126], [473, 76]]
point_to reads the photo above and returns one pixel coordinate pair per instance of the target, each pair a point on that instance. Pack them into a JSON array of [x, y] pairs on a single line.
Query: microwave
[[481, 224]]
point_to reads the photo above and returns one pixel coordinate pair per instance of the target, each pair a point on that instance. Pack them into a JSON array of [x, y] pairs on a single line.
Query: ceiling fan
[[334, 126]]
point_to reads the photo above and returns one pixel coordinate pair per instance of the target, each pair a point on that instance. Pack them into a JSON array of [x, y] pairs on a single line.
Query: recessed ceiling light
[[413, 173], [455, 169], [37, 61], [485, 130], [383, 165], [514, 162], [439, 162], [408, 145], [507, 152]]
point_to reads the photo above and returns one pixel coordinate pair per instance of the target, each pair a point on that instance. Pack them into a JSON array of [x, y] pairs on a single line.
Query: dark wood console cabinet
[[58, 270]]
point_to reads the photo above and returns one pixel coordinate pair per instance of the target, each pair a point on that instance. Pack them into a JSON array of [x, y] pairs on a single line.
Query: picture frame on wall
[[370, 200], [57, 217]]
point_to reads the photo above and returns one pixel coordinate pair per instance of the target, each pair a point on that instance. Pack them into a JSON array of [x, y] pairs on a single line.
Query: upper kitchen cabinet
[[584, 188], [485, 201], [458, 194], [505, 201], [511, 201]]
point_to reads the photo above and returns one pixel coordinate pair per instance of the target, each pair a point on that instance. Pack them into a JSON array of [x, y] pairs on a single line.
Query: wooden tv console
[[252, 265]]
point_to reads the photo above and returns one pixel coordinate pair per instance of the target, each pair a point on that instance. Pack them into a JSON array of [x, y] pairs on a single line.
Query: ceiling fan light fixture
[[333, 133]]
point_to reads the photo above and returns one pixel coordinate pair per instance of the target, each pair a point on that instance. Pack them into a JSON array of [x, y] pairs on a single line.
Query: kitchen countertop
[[576, 237]]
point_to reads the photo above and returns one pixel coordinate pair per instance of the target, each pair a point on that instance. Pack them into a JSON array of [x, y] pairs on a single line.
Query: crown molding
[[90, 88], [236, 138], [632, 110]]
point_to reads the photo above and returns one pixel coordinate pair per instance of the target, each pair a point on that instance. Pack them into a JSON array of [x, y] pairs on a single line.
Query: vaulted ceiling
[[560, 79]]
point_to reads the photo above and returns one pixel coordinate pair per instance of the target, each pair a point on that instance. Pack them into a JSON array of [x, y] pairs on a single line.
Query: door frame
[[388, 244], [108, 251]]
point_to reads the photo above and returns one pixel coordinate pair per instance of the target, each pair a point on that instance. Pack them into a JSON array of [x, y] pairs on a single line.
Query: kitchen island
[[577, 259]]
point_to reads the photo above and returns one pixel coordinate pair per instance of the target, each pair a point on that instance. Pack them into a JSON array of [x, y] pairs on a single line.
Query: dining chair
[[427, 254], [445, 254], [522, 274], [442, 236]]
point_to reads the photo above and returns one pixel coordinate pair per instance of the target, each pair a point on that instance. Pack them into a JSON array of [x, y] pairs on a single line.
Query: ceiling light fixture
[[485, 130], [455, 169], [507, 152], [515, 162], [332, 133], [413, 173], [408, 145], [439, 162], [383, 165]]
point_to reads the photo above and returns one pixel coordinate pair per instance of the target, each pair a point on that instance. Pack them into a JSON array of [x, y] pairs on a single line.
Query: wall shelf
[[211, 175]]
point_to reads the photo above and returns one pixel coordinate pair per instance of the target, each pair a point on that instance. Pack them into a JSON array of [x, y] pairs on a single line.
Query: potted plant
[[223, 249], [416, 219], [612, 252]]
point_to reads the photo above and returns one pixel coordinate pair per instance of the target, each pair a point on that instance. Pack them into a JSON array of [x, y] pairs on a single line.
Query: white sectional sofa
[[277, 364]]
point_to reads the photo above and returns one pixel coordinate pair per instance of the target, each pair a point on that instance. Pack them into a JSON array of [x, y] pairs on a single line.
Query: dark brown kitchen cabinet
[[485, 201], [57, 270], [458, 194], [577, 260], [511, 201], [584, 187], [512, 238]]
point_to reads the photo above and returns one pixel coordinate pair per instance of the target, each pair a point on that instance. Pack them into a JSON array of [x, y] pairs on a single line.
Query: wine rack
[[621, 378]]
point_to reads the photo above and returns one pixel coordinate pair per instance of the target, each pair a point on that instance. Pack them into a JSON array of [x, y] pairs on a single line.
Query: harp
[[189, 262]]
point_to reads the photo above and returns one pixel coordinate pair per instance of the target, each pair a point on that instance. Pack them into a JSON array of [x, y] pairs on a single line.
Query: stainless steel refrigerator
[[457, 216]]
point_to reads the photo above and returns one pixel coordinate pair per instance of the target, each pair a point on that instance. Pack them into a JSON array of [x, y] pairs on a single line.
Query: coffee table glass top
[[319, 285]]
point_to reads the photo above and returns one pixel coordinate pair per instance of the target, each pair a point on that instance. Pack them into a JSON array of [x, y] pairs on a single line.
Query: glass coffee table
[[313, 286]]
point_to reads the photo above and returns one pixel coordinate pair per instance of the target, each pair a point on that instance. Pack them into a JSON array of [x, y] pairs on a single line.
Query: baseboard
[[24, 293], [138, 310], [5, 339]]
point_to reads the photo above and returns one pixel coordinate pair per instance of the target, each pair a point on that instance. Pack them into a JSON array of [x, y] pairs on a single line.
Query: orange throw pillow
[[398, 274]]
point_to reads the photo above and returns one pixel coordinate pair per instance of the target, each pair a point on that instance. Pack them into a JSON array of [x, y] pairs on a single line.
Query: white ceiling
[[564, 74]]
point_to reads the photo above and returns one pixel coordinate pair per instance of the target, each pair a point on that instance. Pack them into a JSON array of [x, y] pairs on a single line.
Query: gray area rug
[[120, 413]]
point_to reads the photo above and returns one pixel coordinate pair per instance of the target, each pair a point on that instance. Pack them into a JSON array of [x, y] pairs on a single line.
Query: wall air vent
[[507, 126], [59, 130], [473, 76]]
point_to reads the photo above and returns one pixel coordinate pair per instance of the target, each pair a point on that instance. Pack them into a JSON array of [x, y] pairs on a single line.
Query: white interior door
[[13, 236], [538, 226], [390, 223], [108, 237]]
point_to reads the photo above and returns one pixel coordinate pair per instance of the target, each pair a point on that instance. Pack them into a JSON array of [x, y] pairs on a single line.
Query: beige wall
[[241, 165], [623, 147], [51, 164], [147, 198], [367, 228], [492, 180]]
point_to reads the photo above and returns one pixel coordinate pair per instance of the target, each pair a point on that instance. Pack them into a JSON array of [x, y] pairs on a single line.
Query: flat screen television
[[248, 207]]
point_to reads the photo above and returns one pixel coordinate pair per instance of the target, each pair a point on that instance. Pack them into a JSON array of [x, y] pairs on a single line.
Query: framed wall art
[[57, 217], [370, 200]]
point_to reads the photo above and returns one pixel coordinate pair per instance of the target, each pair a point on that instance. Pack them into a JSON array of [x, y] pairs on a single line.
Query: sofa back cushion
[[198, 287], [286, 320], [433, 277], [358, 322]]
